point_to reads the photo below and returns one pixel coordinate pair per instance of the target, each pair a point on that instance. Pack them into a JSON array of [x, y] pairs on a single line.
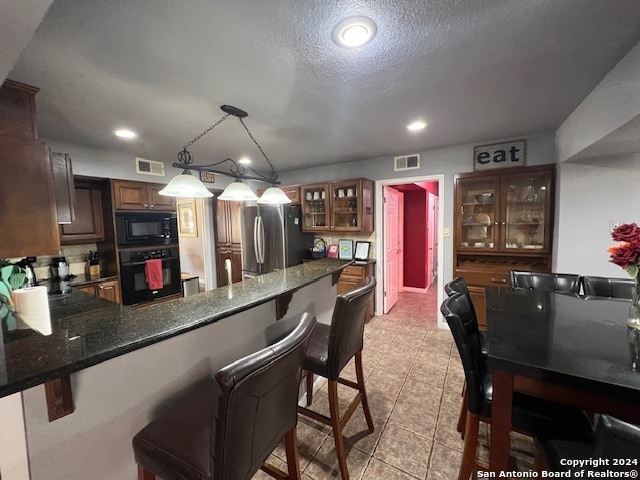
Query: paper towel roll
[[32, 307]]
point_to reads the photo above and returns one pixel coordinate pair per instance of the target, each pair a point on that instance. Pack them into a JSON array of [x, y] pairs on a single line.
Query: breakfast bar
[[122, 364]]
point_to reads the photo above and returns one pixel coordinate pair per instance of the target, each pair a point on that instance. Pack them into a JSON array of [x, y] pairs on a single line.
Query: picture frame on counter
[[361, 253], [187, 218], [345, 249]]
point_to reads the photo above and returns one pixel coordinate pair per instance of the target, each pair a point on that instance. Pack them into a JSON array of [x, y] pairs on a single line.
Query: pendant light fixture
[[186, 185]]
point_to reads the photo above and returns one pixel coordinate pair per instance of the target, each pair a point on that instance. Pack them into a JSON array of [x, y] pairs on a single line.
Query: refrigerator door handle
[[260, 240], [256, 248]]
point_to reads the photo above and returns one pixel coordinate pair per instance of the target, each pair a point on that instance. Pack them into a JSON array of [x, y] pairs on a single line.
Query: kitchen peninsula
[[125, 363]]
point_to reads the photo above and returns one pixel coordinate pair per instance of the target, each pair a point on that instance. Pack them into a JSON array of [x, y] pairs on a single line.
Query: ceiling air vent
[[406, 162], [149, 167]]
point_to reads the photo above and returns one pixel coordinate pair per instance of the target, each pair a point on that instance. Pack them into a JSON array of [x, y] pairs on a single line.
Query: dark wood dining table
[[573, 350]]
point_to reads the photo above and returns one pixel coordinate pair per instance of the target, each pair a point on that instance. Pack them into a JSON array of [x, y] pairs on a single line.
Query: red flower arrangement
[[627, 253]]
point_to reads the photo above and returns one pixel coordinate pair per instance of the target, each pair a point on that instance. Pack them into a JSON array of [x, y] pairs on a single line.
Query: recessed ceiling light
[[416, 126], [354, 32], [125, 133], [244, 161]]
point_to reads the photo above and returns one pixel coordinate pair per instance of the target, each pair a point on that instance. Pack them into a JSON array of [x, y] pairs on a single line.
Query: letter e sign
[[499, 155]]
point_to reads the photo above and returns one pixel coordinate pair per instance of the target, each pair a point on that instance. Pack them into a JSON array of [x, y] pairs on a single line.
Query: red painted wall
[[415, 238]]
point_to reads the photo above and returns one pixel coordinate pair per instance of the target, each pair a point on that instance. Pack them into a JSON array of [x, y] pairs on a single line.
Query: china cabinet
[[503, 221], [341, 206]]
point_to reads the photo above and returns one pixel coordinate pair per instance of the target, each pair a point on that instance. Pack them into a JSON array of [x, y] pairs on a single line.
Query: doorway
[[408, 245]]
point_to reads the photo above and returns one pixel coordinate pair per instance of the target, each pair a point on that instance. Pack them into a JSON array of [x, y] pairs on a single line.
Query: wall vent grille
[[149, 167], [406, 162]]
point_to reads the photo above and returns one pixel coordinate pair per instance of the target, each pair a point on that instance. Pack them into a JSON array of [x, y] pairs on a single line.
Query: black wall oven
[[146, 228], [134, 279]]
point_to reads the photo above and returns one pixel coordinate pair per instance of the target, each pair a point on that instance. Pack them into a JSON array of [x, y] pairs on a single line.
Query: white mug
[[341, 193], [323, 194], [316, 195], [309, 195], [350, 192]]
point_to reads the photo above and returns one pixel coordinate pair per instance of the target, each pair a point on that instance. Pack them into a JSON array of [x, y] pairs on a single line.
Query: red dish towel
[[153, 272]]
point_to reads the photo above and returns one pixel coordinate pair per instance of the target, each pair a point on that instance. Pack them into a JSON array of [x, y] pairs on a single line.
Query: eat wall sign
[[499, 155]]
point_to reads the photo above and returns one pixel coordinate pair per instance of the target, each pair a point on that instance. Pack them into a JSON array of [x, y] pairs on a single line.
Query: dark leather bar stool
[[226, 427], [547, 282], [330, 349], [609, 287], [531, 416]]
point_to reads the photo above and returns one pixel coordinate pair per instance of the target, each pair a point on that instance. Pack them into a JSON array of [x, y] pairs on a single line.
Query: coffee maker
[[60, 277]]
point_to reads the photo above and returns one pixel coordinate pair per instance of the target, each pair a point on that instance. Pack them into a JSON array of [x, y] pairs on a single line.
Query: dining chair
[[226, 427], [459, 285], [548, 282], [530, 415], [331, 348], [608, 287], [612, 439]]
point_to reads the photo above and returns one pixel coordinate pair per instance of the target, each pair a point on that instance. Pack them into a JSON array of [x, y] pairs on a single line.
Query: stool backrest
[[258, 397], [347, 326], [614, 438], [459, 285], [547, 282], [609, 287], [457, 311]]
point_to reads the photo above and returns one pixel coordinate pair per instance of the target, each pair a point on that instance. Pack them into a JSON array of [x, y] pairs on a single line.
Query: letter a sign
[[499, 155]]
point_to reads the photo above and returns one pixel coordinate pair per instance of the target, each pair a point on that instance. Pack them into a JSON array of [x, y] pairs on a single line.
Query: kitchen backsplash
[[76, 256]]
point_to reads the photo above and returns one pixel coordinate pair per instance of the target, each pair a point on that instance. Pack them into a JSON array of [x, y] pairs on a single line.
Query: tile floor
[[413, 380]]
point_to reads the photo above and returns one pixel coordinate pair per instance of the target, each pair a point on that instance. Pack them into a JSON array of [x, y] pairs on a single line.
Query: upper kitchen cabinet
[[27, 202], [503, 221], [341, 206], [88, 225], [63, 186], [128, 195]]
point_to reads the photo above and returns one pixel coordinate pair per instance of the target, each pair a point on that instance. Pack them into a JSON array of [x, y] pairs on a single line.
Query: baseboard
[[414, 289]]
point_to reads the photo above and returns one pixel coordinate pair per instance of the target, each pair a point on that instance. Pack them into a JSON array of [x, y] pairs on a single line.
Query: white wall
[[591, 196], [13, 444]]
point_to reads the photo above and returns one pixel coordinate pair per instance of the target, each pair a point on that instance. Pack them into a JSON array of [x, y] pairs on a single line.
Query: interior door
[[392, 248], [431, 237]]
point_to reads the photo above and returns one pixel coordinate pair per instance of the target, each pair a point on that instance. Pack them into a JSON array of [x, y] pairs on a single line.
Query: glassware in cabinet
[[315, 207], [478, 203]]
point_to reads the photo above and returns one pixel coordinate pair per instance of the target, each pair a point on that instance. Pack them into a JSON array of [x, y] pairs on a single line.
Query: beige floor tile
[[378, 470], [451, 402], [385, 381], [429, 373], [405, 450], [356, 432], [325, 463], [446, 433], [422, 393], [309, 441], [380, 403], [414, 417], [444, 464]]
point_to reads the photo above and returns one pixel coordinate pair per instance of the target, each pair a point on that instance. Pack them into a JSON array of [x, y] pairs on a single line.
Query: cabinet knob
[[146, 205], [151, 206]]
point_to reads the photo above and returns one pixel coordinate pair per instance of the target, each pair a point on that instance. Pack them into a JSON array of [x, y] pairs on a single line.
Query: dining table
[[570, 349]]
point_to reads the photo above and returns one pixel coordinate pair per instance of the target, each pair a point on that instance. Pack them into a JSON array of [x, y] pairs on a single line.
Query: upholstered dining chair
[[530, 415], [548, 282], [330, 349], [226, 427], [613, 439], [459, 285], [608, 287]]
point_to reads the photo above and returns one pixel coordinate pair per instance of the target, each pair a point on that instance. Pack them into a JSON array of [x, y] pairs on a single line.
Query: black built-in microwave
[[146, 228]]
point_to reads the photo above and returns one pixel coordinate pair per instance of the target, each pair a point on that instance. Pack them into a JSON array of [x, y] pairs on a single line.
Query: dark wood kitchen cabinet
[[88, 225], [107, 289], [503, 221], [228, 240], [129, 195], [27, 202], [63, 186], [353, 277]]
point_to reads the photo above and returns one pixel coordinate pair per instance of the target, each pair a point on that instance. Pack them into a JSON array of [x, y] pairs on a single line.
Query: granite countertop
[[95, 330], [83, 279]]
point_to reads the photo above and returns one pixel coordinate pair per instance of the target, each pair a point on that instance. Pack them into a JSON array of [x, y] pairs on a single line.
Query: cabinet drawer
[[496, 279], [353, 271]]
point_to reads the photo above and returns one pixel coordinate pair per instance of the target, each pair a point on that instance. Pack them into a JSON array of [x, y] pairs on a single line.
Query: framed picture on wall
[[187, 220]]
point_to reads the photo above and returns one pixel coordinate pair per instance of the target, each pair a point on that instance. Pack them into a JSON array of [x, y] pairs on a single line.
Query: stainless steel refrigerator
[[272, 238]]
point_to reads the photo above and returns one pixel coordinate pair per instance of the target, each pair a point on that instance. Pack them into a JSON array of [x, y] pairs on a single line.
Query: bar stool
[[331, 347], [226, 427]]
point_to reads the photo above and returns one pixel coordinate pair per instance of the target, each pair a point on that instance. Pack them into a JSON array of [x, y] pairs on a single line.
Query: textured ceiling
[[476, 70]]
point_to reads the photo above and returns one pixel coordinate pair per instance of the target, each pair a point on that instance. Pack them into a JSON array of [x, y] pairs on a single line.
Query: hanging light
[[236, 191]]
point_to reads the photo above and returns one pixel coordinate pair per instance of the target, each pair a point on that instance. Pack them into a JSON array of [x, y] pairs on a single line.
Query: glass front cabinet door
[[315, 207], [527, 212], [347, 205], [478, 201]]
